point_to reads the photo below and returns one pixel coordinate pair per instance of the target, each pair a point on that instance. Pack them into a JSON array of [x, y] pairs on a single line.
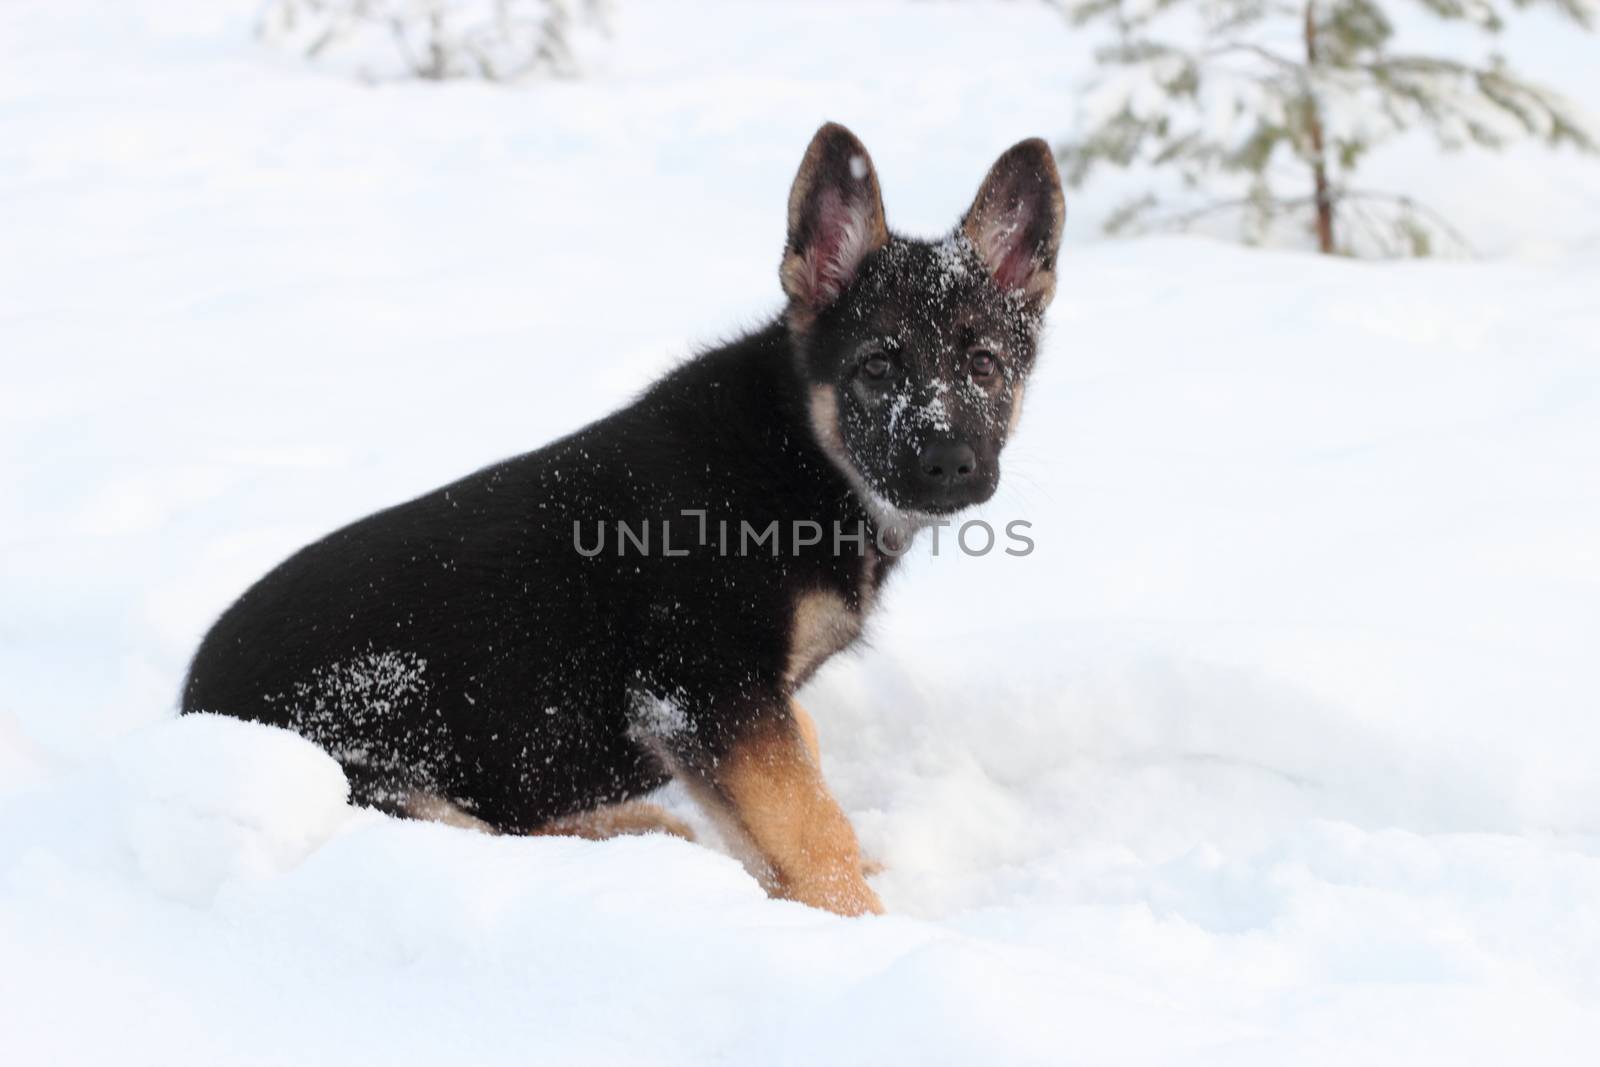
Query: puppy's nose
[[947, 462]]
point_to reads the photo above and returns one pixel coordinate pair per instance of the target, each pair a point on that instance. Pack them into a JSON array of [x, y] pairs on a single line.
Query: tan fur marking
[[808, 734], [824, 411], [775, 791], [792, 274], [808, 731], [431, 807], [820, 625], [1016, 409], [732, 831], [617, 820], [867, 590], [825, 424]]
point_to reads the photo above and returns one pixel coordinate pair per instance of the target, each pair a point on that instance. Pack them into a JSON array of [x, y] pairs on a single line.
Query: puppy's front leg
[[770, 787]]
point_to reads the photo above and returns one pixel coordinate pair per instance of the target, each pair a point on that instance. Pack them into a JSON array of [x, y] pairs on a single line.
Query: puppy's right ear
[[835, 221]]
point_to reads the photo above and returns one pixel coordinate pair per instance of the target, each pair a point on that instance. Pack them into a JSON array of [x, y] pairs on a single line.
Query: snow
[[1279, 747]]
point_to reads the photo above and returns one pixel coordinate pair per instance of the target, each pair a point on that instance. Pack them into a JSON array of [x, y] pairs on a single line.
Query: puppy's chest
[[827, 618]]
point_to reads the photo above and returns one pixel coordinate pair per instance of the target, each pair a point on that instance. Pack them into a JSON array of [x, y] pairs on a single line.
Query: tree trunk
[[1319, 157]]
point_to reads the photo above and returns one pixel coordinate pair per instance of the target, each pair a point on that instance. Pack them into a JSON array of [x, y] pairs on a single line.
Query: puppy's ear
[[1014, 224], [835, 221]]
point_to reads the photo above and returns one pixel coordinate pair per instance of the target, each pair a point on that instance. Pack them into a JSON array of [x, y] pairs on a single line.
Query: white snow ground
[[1281, 747]]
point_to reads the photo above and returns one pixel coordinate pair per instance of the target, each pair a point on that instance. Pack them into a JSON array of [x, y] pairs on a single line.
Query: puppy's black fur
[[461, 646]]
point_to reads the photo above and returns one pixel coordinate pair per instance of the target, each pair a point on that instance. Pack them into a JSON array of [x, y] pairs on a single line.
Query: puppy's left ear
[[1015, 222]]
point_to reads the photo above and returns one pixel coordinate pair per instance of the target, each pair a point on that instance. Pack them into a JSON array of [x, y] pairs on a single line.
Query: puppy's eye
[[982, 363], [876, 367]]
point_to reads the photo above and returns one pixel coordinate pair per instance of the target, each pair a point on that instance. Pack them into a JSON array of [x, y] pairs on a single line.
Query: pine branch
[[1234, 106]]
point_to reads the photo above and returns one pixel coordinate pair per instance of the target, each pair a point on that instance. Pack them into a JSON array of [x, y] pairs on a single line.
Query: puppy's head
[[914, 352]]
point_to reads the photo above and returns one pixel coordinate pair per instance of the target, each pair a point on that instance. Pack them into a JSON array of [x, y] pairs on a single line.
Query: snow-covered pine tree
[[1266, 108], [497, 40]]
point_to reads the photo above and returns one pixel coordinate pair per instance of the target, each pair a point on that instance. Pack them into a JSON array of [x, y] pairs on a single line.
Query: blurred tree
[[1248, 99], [497, 40]]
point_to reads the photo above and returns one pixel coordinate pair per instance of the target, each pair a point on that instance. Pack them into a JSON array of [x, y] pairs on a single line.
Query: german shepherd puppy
[[472, 655]]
